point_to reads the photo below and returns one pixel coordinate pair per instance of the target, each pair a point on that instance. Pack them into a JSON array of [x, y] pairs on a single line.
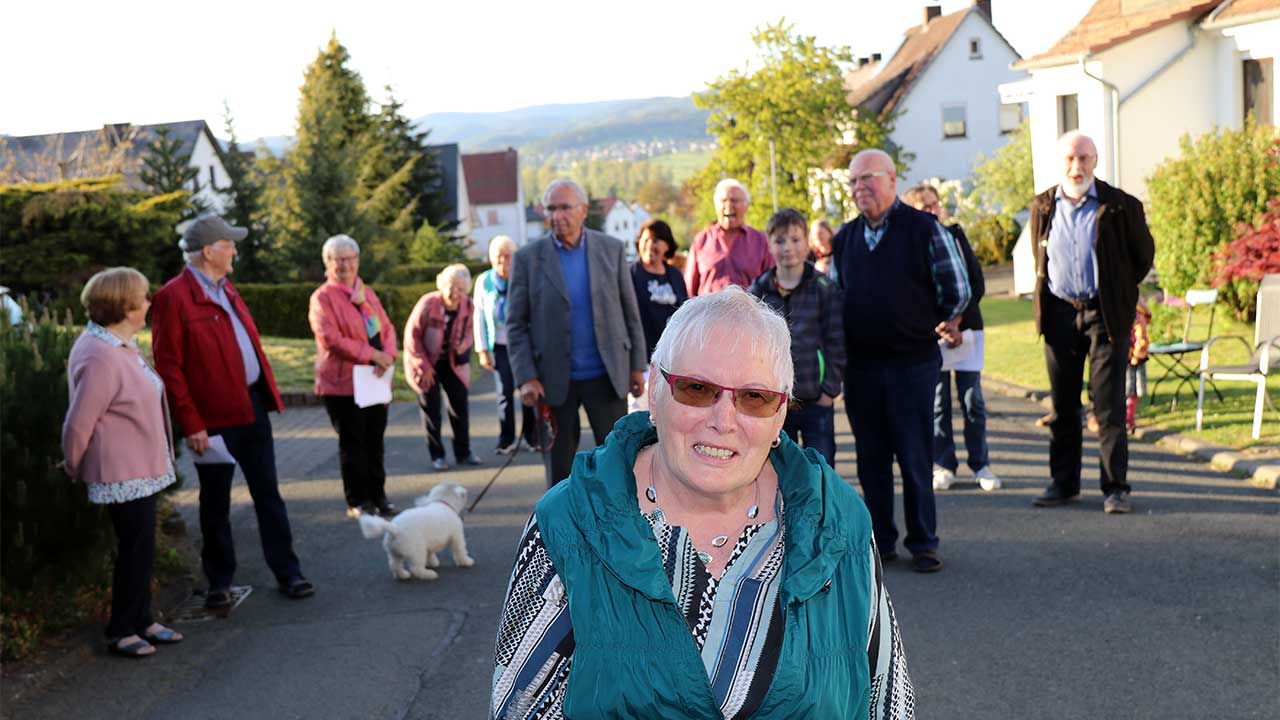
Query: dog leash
[[546, 436]]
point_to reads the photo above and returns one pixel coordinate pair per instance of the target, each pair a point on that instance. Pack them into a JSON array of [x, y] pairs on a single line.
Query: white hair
[[756, 329], [446, 276], [722, 189], [563, 182], [334, 245], [195, 257], [498, 244]]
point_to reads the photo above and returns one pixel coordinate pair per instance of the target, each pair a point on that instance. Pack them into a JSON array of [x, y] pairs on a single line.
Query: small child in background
[[811, 303], [1135, 383]]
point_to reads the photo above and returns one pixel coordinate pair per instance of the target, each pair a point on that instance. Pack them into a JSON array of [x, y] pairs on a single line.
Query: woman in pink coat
[[437, 355], [351, 328], [116, 439]]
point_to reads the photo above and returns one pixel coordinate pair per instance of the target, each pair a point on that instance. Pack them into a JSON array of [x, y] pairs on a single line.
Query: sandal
[[164, 636], [135, 649], [297, 587]]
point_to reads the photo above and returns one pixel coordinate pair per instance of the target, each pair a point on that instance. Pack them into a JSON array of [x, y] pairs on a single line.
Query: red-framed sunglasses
[[696, 392]]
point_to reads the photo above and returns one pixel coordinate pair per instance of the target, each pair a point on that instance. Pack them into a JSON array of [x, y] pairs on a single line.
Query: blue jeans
[[890, 406], [816, 425], [254, 451], [974, 411]]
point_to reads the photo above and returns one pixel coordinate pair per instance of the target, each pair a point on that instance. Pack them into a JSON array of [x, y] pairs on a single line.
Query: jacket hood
[[601, 495]]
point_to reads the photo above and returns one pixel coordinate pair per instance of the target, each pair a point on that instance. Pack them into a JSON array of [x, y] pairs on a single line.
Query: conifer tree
[[244, 206], [166, 168]]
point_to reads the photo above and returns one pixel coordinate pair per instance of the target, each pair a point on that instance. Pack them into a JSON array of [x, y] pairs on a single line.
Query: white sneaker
[[943, 478], [985, 477]]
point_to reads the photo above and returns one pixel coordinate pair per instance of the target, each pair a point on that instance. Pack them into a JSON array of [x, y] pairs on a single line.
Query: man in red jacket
[[221, 388]]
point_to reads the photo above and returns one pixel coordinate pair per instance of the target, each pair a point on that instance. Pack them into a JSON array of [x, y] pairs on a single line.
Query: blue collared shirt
[[946, 263], [1072, 252], [217, 293]]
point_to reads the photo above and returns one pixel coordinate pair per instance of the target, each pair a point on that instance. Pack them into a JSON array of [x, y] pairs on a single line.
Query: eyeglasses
[[866, 178], [695, 392], [552, 209]]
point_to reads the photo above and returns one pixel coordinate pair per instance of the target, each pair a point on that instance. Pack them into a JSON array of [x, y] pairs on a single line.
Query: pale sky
[[75, 65]]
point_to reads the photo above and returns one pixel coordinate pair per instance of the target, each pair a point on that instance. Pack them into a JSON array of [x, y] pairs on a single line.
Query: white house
[[496, 196], [941, 83], [622, 220], [1137, 75], [118, 149], [535, 223]]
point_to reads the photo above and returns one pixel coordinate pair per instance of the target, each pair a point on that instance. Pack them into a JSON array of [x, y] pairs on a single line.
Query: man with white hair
[[1092, 248], [728, 252], [220, 387], [905, 284], [573, 326]]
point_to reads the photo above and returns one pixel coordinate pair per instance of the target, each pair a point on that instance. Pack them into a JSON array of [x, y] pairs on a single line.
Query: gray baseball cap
[[207, 230]]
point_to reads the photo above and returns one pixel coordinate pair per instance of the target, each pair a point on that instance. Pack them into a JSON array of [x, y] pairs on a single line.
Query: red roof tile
[[492, 178], [1111, 22], [1237, 9]]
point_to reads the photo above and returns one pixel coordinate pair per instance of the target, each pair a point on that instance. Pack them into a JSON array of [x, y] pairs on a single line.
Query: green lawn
[[1016, 354]]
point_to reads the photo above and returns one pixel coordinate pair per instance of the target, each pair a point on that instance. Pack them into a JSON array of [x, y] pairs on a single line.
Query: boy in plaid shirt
[[812, 305]]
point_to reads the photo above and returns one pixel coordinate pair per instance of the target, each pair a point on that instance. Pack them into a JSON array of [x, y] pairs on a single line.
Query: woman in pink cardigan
[[437, 354], [116, 439], [351, 328]]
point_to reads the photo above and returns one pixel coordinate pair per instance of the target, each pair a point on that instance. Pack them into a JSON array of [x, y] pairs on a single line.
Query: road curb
[[1261, 473]]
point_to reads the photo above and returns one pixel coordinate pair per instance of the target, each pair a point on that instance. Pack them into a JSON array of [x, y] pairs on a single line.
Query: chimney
[[875, 57], [985, 7], [930, 12], [862, 61]]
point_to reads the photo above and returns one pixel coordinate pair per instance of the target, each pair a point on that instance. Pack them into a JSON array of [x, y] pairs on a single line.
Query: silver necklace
[[719, 540]]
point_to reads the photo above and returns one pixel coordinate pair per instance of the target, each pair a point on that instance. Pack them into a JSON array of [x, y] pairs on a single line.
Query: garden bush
[[280, 310], [1218, 181]]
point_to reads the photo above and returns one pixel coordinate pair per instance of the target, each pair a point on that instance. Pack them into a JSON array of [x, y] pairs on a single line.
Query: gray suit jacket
[[538, 315]]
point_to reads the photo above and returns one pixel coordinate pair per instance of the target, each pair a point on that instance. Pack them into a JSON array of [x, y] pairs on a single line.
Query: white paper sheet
[[216, 454], [369, 388], [956, 358]]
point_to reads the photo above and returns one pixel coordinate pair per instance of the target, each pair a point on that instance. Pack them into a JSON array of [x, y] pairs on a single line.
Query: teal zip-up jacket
[[633, 654]]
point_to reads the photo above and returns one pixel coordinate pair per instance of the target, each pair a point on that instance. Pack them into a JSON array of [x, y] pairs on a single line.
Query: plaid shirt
[[814, 313], [950, 278]]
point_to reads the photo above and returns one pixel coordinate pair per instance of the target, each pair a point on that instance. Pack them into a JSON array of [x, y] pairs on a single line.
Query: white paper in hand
[[369, 388], [954, 357], [216, 453]]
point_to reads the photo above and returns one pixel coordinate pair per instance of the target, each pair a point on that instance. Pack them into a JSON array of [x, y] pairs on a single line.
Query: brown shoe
[[1117, 503]]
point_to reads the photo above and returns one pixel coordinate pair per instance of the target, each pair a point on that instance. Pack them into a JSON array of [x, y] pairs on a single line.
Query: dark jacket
[[1124, 248], [813, 311], [972, 318], [633, 656], [197, 355]]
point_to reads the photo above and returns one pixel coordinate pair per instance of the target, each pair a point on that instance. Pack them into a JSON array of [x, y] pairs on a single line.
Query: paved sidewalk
[[1064, 613]]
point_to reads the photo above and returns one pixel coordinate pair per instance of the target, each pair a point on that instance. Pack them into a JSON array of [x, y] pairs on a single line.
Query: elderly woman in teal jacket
[[702, 520]]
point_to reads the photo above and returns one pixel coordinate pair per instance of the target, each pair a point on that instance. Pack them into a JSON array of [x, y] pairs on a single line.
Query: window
[[953, 123], [1010, 117], [1068, 113], [493, 218], [975, 49], [1259, 90]]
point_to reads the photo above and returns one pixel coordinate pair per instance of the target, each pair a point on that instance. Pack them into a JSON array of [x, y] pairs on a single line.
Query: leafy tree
[[167, 169], [429, 245], [245, 207], [794, 97], [1004, 183], [1219, 180]]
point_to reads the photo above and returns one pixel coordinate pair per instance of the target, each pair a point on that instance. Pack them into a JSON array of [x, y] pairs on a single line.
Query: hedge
[[280, 310]]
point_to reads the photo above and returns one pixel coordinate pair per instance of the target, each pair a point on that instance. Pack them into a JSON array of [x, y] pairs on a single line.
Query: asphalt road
[[1171, 612]]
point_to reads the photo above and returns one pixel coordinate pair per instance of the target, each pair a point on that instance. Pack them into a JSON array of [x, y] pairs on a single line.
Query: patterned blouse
[[536, 632], [128, 490]]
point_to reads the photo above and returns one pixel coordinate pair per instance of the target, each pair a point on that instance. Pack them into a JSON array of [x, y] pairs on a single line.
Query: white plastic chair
[[1264, 359]]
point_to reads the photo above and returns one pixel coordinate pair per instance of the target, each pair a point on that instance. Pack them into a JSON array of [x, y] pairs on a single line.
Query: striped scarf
[[372, 323]]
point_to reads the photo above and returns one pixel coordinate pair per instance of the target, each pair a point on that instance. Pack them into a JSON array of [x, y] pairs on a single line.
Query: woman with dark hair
[[660, 287]]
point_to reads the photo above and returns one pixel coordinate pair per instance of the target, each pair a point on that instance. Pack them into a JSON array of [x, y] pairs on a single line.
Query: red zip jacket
[[195, 350]]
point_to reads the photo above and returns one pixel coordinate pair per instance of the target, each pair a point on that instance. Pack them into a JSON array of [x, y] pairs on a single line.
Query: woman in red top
[[437, 355], [351, 328]]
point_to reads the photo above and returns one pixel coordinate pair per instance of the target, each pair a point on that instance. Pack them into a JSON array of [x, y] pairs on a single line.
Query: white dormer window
[[975, 49], [953, 121]]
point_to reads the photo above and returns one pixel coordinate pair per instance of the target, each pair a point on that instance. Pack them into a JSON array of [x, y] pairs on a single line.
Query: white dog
[[413, 537]]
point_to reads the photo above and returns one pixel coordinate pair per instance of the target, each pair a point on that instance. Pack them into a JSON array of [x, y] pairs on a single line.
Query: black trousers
[[459, 416], [360, 448], [1070, 336], [254, 451], [135, 526], [604, 408], [505, 389]]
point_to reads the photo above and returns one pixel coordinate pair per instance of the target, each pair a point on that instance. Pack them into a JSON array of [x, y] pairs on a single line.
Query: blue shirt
[[217, 293], [1072, 253], [585, 362], [946, 263]]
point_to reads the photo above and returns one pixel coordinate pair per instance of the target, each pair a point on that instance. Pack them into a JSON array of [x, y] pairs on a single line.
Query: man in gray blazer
[[573, 326]]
